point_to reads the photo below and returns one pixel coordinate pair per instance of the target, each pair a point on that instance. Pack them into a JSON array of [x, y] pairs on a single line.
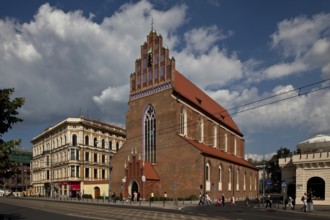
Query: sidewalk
[[319, 210]]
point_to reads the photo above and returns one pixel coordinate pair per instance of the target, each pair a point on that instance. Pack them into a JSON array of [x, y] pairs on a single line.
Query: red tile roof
[[219, 154], [149, 172], [191, 92]]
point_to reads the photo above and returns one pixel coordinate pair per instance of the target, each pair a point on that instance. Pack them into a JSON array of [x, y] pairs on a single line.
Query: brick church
[[179, 140]]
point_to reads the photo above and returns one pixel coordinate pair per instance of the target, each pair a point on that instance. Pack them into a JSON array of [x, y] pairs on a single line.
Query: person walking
[[304, 200], [232, 201], [268, 201], [290, 202], [223, 200], [201, 200]]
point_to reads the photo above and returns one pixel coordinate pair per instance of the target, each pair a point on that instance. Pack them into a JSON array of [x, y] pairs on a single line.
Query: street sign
[[269, 182]]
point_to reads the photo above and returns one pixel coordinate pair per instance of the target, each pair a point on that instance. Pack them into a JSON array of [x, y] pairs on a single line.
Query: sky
[[267, 62]]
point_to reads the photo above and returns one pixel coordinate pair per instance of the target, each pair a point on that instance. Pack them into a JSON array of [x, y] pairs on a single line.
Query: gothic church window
[[183, 121], [150, 135]]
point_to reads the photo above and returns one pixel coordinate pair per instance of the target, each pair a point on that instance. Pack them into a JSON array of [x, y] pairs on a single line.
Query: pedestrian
[[290, 202], [232, 201], [139, 197], [165, 196], [151, 197], [304, 201], [121, 197], [135, 196], [223, 200], [268, 201], [208, 199], [247, 202], [201, 200], [309, 201], [219, 201]]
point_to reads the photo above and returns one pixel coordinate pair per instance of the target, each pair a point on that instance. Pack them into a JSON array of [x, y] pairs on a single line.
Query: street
[[21, 208]]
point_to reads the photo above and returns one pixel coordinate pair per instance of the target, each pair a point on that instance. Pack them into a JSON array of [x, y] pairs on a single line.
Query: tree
[[8, 117], [274, 169]]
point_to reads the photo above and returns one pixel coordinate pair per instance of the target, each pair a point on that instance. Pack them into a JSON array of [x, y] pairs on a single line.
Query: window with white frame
[[200, 130], [244, 181], [220, 178], [237, 180], [207, 177], [215, 136], [183, 121], [226, 142], [229, 179], [235, 146], [150, 135]]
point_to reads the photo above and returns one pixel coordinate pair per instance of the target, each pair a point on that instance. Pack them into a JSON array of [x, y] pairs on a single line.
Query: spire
[[152, 24]]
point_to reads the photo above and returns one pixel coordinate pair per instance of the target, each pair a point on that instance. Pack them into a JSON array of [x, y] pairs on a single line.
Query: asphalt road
[[20, 208]]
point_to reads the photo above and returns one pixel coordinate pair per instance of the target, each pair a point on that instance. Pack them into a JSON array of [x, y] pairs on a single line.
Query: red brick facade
[[194, 143]]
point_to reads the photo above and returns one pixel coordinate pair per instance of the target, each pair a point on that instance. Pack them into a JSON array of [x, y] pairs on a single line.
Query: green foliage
[[8, 117], [8, 110], [87, 196], [274, 169], [7, 166]]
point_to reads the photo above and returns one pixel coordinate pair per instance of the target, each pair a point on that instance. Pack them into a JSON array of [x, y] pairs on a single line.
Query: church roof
[[149, 172], [191, 92], [219, 154]]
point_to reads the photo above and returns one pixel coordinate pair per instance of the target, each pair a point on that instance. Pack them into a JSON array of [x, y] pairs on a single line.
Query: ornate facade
[[309, 169], [179, 140], [73, 156]]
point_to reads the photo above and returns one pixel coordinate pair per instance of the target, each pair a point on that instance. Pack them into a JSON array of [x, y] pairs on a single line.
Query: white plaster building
[[73, 156], [309, 169]]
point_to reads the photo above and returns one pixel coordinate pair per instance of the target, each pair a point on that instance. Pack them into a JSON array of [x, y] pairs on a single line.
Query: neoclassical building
[[179, 140], [73, 156], [309, 169]]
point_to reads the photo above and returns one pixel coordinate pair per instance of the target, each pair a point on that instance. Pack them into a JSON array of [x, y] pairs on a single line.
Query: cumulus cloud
[[63, 62], [306, 41]]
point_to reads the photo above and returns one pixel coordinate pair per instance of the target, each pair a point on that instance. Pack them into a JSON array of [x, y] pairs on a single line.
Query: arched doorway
[[96, 192], [134, 188], [317, 186]]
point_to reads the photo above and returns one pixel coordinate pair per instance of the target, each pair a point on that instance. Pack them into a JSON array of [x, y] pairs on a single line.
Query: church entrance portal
[[317, 186], [134, 188]]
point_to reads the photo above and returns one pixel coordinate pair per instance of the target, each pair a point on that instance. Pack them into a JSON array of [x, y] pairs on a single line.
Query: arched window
[[74, 140], [244, 181], [201, 130], [215, 136], [183, 121], [110, 145], [226, 142], [235, 146], [316, 186], [103, 143], [237, 180], [150, 135], [95, 142], [229, 178], [86, 140], [207, 177], [220, 178]]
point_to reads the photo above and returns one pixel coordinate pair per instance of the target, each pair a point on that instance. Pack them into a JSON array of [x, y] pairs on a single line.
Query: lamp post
[[263, 181], [109, 174]]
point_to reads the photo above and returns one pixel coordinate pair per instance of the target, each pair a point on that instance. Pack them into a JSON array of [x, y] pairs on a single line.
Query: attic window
[[198, 100]]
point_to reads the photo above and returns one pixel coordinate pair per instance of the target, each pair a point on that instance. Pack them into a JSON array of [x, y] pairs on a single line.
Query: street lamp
[[109, 173]]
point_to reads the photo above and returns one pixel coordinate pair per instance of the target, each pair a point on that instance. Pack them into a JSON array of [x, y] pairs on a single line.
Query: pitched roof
[[191, 92], [149, 172], [219, 154]]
